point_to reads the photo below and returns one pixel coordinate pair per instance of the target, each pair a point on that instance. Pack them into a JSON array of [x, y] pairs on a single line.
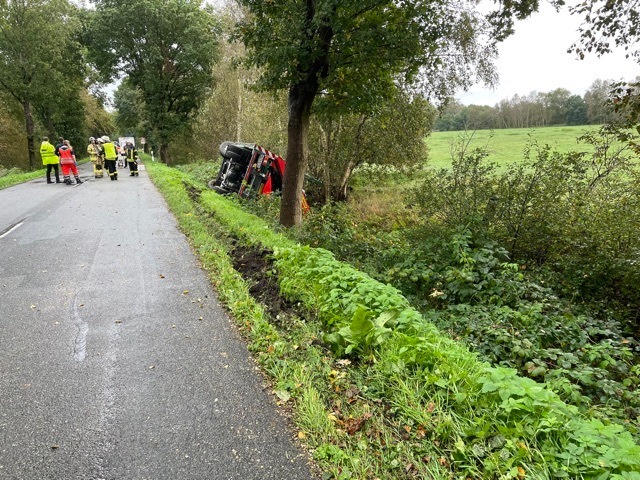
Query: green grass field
[[506, 145]]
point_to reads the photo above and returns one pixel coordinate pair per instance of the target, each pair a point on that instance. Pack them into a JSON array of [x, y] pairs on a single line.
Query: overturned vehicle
[[248, 170]]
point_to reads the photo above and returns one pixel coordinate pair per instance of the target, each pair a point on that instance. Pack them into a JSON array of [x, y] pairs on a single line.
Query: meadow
[[505, 145]]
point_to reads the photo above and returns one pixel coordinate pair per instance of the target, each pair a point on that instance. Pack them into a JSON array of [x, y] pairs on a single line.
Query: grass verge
[[13, 177]]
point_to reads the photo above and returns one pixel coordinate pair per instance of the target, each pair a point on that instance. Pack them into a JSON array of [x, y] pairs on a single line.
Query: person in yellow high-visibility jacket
[[110, 157], [50, 159]]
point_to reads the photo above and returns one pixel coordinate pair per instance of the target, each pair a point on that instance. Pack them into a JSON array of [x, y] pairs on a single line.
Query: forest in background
[[537, 109]]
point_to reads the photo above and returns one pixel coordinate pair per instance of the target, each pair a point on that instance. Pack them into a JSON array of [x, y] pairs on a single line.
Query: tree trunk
[[326, 144], [300, 101], [239, 110], [28, 117], [164, 153], [301, 97], [356, 159]]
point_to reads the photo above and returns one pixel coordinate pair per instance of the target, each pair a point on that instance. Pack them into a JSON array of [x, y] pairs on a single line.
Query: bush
[[575, 214]]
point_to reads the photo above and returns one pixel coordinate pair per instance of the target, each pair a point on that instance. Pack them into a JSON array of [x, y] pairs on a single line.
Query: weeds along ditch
[[374, 388]]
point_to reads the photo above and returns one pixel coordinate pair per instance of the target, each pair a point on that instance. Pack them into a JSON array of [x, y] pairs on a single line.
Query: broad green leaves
[[358, 51]]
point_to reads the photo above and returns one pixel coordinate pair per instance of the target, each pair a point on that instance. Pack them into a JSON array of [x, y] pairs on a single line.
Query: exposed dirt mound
[[256, 267]]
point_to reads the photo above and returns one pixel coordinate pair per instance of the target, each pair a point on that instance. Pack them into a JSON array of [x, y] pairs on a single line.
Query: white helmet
[[91, 139], [105, 139]]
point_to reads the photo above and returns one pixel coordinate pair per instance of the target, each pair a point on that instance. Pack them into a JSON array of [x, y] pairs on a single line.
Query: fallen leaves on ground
[[354, 425]]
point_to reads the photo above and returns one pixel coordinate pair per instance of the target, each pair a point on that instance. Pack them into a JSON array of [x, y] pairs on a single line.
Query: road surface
[[116, 359]]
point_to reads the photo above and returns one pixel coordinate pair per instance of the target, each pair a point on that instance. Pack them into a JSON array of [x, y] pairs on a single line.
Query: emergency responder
[[68, 163], [110, 157], [59, 144], [132, 159], [93, 150], [50, 159], [99, 143]]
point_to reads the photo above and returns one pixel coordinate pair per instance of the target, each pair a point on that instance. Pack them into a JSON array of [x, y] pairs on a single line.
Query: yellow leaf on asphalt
[[302, 435]]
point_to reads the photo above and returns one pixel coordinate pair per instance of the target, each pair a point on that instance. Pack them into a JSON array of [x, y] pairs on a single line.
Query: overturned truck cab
[[248, 170]]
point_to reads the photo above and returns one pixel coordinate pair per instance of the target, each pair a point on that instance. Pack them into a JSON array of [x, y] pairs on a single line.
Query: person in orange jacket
[[68, 163]]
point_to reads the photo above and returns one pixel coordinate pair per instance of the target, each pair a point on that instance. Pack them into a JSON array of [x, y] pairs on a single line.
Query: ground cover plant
[[378, 392], [559, 303]]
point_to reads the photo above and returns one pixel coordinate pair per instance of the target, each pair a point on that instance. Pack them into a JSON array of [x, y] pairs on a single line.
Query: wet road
[[116, 360]]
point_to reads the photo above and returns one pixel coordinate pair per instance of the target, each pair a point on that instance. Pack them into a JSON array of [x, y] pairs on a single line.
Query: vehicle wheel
[[232, 155], [223, 148], [235, 149]]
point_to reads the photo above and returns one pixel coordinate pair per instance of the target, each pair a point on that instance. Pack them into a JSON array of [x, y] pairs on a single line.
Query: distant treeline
[[558, 107]]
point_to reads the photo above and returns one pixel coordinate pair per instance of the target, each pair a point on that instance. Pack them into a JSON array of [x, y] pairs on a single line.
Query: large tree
[[40, 66], [129, 106], [13, 148], [555, 105], [166, 48], [354, 52]]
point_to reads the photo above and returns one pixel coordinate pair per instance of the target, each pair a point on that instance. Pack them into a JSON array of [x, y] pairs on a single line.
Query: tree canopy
[[166, 48], [609, 24], [41, 66], [354, 53]]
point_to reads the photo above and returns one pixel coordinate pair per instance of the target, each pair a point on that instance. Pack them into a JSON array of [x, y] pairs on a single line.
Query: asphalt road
[[116, 359]]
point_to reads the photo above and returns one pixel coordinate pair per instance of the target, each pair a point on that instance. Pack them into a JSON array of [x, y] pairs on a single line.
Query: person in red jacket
[[68, 162]]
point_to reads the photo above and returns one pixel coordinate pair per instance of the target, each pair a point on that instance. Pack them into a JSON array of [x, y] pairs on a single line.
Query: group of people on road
[[61, 155], [103, 153]]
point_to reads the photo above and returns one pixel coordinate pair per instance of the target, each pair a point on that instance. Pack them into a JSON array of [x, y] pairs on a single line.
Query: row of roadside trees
[[56, 55]]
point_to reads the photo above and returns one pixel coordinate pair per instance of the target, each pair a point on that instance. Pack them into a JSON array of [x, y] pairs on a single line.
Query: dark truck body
[[248, 170]]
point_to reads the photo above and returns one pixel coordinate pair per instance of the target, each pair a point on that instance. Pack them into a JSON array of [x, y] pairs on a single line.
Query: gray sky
[[535, 58]]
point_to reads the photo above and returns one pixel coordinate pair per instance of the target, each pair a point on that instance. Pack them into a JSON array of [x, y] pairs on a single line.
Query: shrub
[[574, 213]]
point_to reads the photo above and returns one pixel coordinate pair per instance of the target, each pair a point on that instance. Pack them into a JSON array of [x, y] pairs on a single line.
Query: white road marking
[[11, 230]]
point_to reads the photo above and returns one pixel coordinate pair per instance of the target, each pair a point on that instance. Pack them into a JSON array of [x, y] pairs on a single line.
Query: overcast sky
[[535, 58]]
